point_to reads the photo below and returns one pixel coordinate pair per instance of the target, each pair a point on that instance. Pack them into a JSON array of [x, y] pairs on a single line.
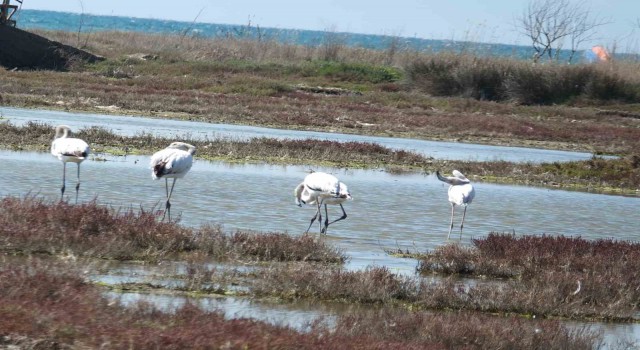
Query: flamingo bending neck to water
[[319, 189]]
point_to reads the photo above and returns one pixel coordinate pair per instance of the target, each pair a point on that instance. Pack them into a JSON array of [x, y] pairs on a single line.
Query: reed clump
[[501, 79], [34, 226]]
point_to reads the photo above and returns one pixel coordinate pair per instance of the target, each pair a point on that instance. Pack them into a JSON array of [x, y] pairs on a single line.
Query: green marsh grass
[[38, 136]]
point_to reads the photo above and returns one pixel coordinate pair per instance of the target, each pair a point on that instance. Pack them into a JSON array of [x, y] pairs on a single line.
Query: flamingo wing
[[171, 163], [461, 194], [70, 147], [324, 183]]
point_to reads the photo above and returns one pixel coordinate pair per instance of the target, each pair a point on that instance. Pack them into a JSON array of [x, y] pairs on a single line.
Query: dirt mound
[[20, 49]]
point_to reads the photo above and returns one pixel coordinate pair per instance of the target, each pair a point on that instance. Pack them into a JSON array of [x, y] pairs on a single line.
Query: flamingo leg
[[320, 215], [462, 222], [64, 173], [453, 208], [78, 184], [167, 204], [326, 220], [344, 215], [315, 216], [169, 193]]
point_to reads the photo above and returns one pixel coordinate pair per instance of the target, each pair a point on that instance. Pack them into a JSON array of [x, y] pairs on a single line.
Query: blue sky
[[481, 20]]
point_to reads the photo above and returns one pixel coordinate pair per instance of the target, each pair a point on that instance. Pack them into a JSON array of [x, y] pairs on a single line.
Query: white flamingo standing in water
[[461, 193], [321, 189], [172, 162], [69, 149]]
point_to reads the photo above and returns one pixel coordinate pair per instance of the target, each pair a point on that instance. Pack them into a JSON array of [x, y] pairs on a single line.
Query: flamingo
[[461, 193], [321, 189], [69, 149], [172, 162]]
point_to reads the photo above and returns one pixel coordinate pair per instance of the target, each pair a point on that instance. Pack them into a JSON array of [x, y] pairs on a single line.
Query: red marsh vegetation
[[49, 306]]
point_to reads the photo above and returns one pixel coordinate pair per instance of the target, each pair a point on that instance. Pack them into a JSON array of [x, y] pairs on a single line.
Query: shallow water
[[129, 126], [298, 316], [388, 211]]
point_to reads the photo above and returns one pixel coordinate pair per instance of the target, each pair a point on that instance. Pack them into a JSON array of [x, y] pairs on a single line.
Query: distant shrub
[[603, 86], [548, 84], [464, 76], [534, 84], [434, 75], [498, 79]]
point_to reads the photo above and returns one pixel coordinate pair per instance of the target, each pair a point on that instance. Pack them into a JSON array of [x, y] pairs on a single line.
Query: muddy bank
[[24, 50]]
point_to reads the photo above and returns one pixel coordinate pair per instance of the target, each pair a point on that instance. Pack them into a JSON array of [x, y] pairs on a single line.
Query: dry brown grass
[[193, 48], [477, 331]]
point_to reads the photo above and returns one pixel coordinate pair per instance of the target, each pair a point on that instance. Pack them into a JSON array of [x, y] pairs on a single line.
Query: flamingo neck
[[62, 132]]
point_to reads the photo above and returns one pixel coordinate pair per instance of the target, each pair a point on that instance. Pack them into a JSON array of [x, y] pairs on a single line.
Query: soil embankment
[[20, 49]]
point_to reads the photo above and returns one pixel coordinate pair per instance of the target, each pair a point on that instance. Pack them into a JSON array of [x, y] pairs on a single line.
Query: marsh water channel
[[129, 126], [389, 211]]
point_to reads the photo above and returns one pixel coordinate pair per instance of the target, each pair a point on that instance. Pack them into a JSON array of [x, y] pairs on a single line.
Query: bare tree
[[583, 29], [550, 23], [332, 43]]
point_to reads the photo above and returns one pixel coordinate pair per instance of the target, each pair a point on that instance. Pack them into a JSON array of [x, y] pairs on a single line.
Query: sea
[[74, 22]]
